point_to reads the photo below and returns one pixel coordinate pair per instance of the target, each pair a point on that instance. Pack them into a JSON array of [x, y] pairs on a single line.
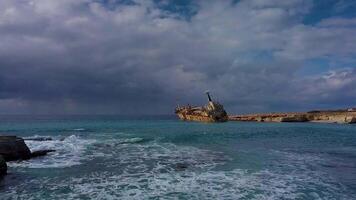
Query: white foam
[[69, 152], [163, 154], [148, 173], [235, 184], [79, 129]]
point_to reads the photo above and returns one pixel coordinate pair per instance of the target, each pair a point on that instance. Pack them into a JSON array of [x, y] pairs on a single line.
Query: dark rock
[[40, 153], [14, 148], [3, 166], [295, 118], [181, 166], [39, 139]]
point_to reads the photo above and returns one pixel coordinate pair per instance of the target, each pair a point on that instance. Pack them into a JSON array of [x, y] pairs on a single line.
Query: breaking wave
[[79, 129]]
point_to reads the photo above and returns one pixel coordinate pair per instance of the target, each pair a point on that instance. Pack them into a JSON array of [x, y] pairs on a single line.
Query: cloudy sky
[[145, 56]]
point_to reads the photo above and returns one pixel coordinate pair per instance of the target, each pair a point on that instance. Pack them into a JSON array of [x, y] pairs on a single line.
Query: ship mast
[[207, 93]]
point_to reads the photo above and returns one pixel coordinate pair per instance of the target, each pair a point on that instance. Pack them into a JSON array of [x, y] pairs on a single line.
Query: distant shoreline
[[347, 116]]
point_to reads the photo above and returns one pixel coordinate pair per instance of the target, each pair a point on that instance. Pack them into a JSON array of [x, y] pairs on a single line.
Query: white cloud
[[130, 55]]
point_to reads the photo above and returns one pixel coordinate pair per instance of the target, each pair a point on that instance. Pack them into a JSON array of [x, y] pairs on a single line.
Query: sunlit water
[[103, 157]]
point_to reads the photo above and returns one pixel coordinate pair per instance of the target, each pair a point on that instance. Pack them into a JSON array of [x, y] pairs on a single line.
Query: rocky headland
[[329, 116]]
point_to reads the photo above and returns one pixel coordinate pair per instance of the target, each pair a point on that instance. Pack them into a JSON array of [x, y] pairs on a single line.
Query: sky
[[147, 56]]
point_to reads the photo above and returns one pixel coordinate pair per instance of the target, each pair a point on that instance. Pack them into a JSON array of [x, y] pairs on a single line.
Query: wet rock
[[39, 139], [14, 148], [3, 166], [41, 153]]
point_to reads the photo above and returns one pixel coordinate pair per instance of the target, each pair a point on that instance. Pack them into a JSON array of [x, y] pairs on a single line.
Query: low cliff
[[347, 117]]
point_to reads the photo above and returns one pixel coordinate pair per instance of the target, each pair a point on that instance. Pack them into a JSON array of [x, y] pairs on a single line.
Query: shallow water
[[108, 157]]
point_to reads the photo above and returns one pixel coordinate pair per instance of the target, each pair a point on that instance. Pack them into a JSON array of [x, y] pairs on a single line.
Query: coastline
[[330, 116]]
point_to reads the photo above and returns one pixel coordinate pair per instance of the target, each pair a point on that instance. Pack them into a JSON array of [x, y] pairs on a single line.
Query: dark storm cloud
[[88, 56]]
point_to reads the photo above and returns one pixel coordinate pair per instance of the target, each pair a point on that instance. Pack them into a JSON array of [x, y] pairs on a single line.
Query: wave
[[79, 129], [132, 140]]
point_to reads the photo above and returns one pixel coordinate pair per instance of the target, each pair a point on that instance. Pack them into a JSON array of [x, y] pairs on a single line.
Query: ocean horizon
[[161, 157]]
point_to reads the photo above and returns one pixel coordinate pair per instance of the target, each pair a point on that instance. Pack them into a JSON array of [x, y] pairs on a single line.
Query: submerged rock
[[3, 166], [39, 139], [40, 153], [14, 148], [181, 166]]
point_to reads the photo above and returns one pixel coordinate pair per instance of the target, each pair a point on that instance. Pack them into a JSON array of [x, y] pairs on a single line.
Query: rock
[[295, 118], [14, 148], [3, 166], [181, 166], [40, 153], [350, 120], [39, 139]]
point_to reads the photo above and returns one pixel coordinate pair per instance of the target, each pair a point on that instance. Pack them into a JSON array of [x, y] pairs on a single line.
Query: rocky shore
[[3, 166], [14, 148], [337, 116]]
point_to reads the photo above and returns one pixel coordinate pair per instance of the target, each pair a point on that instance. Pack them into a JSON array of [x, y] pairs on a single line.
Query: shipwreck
[[212, 112]]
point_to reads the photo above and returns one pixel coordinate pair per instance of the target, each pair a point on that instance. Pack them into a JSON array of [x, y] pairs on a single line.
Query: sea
[[161, 157]]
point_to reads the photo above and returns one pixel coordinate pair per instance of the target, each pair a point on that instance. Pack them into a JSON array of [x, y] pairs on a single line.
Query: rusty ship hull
[[199, 118]]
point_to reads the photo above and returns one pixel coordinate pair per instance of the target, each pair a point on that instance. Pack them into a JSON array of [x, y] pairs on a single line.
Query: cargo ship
[[212, 112]]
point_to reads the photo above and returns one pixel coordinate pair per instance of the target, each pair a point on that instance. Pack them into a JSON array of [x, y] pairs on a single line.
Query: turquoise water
[[106, 157]]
